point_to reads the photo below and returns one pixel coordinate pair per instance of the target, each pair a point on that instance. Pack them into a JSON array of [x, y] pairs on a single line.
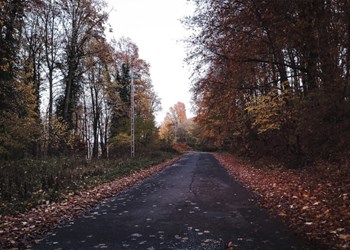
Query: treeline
[[64, 88], [273, 77], [178, 129]]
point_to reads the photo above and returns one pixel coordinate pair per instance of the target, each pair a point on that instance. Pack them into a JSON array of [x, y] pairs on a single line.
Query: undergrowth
[[27, 183]]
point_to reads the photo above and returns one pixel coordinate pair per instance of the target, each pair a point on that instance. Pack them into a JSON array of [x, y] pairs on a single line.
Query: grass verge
[[27, 183], [23, 230]]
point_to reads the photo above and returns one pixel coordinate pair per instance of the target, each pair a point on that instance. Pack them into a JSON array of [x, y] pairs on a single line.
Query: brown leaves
[[230, 245], [313, 201], [19, 231], [345, 237]]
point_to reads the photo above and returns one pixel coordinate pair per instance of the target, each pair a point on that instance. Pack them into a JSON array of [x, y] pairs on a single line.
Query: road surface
[[192, 204]]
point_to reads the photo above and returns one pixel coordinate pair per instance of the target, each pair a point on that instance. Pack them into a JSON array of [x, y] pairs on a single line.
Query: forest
[[65, 101], [271, 88], [271, 81], [272, 78], [64, 87]]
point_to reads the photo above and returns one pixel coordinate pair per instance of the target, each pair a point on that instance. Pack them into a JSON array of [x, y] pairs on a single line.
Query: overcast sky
[[155, 27]]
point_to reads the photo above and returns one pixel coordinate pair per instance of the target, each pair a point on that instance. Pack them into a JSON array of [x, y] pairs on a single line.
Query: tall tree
[[175, 125], [52, 35], [17, 101], [82, 20], [11, 23], [269, 72], [146, 100], [98, 78]]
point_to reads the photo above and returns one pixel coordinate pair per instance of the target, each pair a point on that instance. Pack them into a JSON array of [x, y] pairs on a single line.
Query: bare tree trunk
[[95, 114], [347, 75], [102, 141], [85, 133], [50, 54]]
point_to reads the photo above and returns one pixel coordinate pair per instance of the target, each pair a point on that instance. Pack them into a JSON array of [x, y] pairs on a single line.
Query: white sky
[[155, 27]]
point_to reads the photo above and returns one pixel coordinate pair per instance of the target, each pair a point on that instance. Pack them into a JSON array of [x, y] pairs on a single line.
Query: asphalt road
[[192, 204]]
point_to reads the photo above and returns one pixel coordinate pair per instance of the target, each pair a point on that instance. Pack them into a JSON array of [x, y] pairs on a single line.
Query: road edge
[[29, 228]]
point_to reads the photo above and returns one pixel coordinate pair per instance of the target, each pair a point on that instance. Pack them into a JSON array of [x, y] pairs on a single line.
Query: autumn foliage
[[271, 84], [65, 100], [177, 130], [314, 202], [272, 77], [65, 87], [182, 148]]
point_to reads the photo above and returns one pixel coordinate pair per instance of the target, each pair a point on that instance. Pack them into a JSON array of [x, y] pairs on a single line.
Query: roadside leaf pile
[[23, 230], [182, 147], [313, 201]]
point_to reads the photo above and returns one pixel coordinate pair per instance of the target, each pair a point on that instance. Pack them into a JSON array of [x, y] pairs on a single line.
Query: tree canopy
[[64, 88], [272, 78]]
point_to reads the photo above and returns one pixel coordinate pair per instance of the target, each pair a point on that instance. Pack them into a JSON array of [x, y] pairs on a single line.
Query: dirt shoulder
[[21, 230], [313, 201]]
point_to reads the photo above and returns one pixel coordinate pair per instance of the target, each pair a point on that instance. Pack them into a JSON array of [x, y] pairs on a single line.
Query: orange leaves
[[269, 111], [312, 201], [182, 147], [180, 110]]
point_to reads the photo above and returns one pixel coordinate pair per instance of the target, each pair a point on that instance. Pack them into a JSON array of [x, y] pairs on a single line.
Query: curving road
[[192, 204]]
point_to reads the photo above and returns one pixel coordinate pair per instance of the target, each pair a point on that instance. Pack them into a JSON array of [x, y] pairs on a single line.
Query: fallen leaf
[[344, 236], [229, 245], [300, 196]]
